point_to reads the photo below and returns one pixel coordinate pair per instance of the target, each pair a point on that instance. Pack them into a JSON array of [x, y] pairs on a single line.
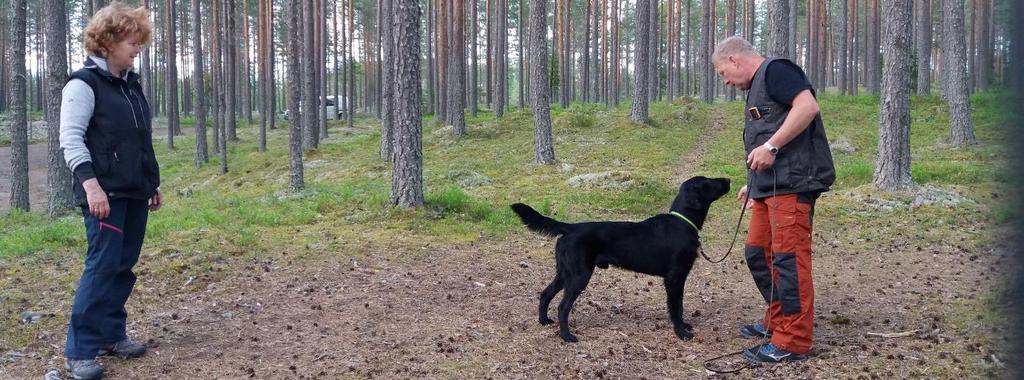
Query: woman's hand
[[156, 201], [97, 199]]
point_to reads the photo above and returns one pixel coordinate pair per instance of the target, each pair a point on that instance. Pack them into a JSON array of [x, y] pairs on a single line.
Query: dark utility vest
[[802, 165], [119, 136]]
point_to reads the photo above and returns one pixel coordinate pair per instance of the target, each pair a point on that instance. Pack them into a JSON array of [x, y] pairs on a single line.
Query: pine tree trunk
[[489, 96], [983, 56], [954, 59], [338, 99], [793, 19], [310, 102], [924, 47], [431, 60], [565, 61], [225, 84], [387, 87], [171, 79], [616, 73], [707, 79], [214, 34], [777, 29], [520, 41], [892, 165], [202, 152], [730, 30], [641, 95], [501, 59], [294, 55], [58, 177], [321, 68], [540, 91], [852, 31], [688, 76], [19, 130], [843, 41], [670, 31], [604, 52], [474, 90], [653, 54], [749, 20], [457, 65], [585, 77], [351, 97], [407, 172], [873, 72], [443, 25], [145, 72]]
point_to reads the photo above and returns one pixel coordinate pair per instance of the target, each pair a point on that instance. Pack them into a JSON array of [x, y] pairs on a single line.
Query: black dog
[[665, 245]]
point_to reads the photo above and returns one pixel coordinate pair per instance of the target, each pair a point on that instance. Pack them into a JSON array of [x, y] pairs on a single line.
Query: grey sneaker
[[757, 330], [124, 349], [84, 369]]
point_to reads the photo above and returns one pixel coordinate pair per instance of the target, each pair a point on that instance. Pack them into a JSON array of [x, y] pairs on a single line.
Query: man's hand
[[740, 196], [760, 159], [156, 201], [97, 199]]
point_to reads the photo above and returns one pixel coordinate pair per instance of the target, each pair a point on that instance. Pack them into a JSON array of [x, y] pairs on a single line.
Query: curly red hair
[[114, 23]]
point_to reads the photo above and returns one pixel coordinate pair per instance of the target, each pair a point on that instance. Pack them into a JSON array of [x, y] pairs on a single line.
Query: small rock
[[523, 264], [616, 180], [31, 316], [53, 374]]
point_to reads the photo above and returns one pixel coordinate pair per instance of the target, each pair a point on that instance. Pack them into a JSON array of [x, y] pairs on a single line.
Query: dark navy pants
[[98, 314]]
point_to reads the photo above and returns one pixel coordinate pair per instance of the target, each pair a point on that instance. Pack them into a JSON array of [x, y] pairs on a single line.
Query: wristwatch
[[771, 148]]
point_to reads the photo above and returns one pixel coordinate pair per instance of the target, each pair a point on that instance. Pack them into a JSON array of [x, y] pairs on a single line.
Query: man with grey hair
[[789, 166]]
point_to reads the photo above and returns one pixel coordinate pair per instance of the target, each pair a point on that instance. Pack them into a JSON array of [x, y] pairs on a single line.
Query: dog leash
[[735, 234]]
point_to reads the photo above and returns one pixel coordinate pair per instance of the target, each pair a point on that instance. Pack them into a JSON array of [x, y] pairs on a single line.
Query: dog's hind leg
[[546, 295], [674, 294], [573, 287]]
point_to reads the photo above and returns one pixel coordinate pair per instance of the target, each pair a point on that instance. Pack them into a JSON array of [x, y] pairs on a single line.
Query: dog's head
[[697, 193]]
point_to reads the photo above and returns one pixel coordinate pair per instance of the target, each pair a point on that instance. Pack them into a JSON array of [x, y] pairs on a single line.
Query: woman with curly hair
[[106, 137]]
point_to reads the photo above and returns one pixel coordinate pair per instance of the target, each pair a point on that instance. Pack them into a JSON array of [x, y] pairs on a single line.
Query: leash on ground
[[743, 366]]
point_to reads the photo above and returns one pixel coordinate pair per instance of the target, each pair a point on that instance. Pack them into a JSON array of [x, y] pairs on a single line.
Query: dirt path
[[37, 161], [695, 156], [470, 312]]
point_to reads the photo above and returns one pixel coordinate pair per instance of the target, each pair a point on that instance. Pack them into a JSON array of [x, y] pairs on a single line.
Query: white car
[[333, 108]]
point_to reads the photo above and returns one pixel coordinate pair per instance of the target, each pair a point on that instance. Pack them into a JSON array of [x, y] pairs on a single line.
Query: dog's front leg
[[674, 295]]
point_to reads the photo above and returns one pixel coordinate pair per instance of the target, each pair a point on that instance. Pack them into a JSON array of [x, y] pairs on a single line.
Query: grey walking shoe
[[125, 349], [84, 369]]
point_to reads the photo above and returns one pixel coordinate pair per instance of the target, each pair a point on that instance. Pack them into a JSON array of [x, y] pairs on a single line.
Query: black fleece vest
[[802, 165], [119, 136]]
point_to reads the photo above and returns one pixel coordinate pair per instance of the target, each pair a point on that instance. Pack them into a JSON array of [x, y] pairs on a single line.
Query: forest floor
[[332, 284]]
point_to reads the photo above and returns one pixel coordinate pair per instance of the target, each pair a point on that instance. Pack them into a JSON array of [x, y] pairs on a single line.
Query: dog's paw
[[569, 338], [684, 334], [686, 326], [545, 321]]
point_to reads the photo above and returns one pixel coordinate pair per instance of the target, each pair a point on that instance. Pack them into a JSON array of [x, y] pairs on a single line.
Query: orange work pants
[[780, 234]]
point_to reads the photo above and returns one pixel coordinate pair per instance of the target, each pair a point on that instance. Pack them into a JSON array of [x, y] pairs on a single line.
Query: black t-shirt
[[784, 80]]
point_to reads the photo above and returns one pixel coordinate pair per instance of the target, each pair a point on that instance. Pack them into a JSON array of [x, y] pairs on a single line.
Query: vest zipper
[[130, 105]]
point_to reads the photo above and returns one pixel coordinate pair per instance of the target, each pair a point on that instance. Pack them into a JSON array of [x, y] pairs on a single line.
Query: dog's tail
[[540, 223]]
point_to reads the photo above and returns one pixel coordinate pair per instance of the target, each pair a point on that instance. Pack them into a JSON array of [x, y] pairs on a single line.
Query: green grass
[[345, 206]]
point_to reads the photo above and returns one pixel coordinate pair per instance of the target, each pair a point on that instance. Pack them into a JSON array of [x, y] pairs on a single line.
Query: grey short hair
[[734, 45]]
